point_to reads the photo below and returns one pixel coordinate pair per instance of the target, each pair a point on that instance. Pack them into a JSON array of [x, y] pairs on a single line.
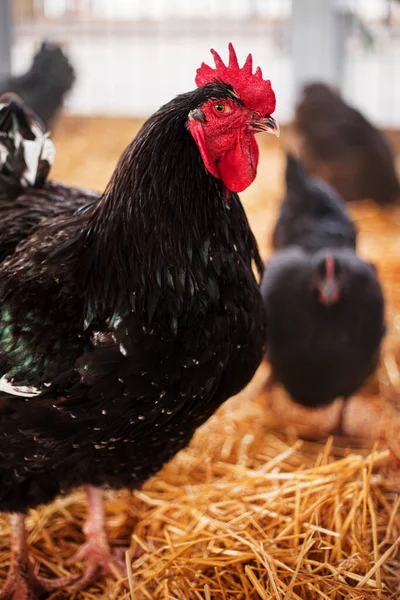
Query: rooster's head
[[224, 127]]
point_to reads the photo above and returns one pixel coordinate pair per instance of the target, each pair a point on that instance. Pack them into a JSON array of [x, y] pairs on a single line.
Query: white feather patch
[[3, 154], [32, 153], [18, 390], [48, 151]]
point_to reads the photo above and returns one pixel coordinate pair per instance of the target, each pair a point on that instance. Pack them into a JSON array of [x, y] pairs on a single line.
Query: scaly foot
[[22, 583], [100, 562], [100, 559]]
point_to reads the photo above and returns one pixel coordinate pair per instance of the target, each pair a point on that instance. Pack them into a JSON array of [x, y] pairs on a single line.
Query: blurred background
[[131, 56]]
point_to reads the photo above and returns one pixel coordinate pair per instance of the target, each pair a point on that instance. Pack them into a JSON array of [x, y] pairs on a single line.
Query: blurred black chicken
[[325, 315], [44, 87], [338, 144], [125, 324], [312, 214]]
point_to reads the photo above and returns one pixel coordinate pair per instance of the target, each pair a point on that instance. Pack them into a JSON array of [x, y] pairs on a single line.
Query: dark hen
[[325, 322], [125, 325], [45, 86], [312, 214], [338, 144]]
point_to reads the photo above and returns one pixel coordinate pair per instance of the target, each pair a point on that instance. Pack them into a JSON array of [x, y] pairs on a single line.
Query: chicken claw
[[101, 560], [22, 583]]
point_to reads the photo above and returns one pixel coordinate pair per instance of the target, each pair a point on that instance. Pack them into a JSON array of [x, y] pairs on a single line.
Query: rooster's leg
[[22, 583], [96, 551]]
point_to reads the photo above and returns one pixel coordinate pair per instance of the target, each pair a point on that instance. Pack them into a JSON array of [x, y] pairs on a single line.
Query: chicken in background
[[44, 87], [312, 215], [125, 324], [26, 196], [326, 323], [338, 144]]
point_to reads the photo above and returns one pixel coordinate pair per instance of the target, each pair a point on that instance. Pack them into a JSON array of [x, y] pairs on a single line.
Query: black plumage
[[312, 215], [125, 325], [326, 322], [45, 86], [338, 144]]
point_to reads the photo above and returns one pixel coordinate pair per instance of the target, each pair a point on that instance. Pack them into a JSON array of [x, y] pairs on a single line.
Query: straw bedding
[[251, 511]]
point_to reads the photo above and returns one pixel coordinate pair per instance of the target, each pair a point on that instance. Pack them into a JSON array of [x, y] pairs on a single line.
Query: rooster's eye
[[220, 108]]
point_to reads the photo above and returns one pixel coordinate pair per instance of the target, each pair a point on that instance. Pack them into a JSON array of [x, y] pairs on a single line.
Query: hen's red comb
[[255, 92]]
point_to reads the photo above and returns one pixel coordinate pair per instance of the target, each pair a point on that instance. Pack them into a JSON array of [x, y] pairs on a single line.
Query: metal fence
[[131, 56]]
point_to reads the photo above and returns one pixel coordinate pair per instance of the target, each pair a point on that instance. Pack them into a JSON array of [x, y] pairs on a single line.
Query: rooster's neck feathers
[[162, 205]]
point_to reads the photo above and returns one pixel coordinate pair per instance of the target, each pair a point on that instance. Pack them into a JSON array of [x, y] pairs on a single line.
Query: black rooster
[[325, 315], [44, 87], [126, 324], [312, 214], [338, 144]]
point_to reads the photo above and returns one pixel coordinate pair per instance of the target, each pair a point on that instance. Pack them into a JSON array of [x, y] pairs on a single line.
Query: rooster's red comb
[[252, 89]]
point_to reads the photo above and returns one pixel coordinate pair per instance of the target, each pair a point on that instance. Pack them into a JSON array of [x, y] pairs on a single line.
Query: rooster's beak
[[328, 291], [267, 124]]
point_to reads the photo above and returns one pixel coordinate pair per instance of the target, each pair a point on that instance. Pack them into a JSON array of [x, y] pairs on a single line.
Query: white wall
[[128, 75], [126, 69], [162, 9]]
